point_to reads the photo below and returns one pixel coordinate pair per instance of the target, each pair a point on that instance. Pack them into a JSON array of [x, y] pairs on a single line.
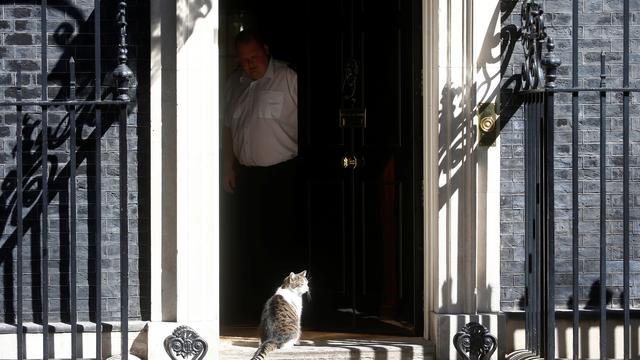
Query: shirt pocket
[[270, 104]]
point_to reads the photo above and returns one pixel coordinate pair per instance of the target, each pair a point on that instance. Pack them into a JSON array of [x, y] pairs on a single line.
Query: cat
[[280, 320]]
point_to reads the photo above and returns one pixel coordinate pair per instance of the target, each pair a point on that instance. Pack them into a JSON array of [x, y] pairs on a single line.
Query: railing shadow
[[358, 349], [458, 158], [76, 41]]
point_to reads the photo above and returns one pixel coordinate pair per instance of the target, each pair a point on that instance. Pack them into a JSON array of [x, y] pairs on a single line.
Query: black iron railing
[[538, 96], [121, 100]]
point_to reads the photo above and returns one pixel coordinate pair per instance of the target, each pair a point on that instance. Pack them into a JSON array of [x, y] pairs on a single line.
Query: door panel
[[381, 242], [367, 55], [382, 86], [323, 92], [327, 237]]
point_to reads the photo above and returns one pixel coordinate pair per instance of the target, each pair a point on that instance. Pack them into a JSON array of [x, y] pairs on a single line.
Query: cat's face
[[297, 282]]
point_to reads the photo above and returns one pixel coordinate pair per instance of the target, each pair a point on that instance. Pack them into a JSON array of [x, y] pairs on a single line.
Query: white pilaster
[[465, 246], [184, 172], [163, 160], [486, 62], [197, 163]]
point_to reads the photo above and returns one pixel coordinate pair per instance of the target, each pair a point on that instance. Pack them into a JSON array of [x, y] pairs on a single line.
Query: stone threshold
[[400, 348]]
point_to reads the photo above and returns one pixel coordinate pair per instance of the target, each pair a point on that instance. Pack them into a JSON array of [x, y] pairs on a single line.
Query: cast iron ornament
[[474, 339], [185, 342], [532, 38]]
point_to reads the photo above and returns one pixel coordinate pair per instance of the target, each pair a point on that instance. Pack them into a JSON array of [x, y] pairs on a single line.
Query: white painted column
[[464, 248], [163, 160], [197, 164], [184, 171], [487, 62]]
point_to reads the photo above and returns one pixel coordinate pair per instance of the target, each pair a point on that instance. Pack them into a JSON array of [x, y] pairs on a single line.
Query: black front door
[[360, 141], [358, 65]]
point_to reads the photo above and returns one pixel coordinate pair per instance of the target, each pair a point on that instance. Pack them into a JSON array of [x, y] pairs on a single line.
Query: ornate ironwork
[[349, 85], [474, 339], [185, 342], [532, 38], [122, 72], [551, 62]]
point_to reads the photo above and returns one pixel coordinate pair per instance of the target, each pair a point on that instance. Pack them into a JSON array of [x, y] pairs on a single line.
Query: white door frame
[[184, 160]]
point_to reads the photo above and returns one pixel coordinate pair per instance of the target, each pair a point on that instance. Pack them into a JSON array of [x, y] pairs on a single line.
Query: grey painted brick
[[19, 26], [18, 39], [592, 6], [6, 52], [613, 5], [21, 12], [518, 177], [506, 255], [595, 19], [559, 19], [26, 65], [565, 32], [27, 25], [558, 6], [597, 34]]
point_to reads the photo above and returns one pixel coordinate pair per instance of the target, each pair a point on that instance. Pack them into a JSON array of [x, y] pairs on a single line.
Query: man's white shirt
[[263, 115]]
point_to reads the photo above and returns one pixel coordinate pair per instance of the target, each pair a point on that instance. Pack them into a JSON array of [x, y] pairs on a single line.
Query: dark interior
[[359, 75]]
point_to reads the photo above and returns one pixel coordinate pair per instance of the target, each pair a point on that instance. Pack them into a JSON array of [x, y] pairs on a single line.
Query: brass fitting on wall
[[488, 123]]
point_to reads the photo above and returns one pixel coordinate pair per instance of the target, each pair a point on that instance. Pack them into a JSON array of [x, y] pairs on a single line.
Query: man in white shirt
[[261, 116], [260, 145]]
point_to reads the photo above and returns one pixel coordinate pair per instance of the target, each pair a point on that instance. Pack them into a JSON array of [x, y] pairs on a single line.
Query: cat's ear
[[292, 275], [303, 273]]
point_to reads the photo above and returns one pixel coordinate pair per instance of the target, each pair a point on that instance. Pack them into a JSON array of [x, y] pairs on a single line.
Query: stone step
[[236, 348]]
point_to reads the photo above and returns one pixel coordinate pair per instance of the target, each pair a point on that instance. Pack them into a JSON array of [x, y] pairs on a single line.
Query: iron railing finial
[[122, 72], [551, 62]]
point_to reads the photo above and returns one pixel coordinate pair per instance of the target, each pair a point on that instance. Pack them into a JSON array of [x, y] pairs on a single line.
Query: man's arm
[[228, 160]]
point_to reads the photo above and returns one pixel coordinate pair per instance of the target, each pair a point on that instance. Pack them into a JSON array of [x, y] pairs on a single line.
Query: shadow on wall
[[510, 100], [76, 41], [163, 29], [593, 300], [458, 138], [510, 35]]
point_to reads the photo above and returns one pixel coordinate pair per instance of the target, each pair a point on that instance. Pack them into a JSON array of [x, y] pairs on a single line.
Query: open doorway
[[361, 154]]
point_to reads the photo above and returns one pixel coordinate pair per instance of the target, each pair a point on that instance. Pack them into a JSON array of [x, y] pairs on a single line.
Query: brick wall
[[600, 30], [70, 33]]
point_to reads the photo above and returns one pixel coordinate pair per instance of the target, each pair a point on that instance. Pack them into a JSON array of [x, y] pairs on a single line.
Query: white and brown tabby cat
[[280, 321]]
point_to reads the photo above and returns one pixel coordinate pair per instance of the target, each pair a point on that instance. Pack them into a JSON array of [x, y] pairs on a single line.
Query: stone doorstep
[[237, 348]]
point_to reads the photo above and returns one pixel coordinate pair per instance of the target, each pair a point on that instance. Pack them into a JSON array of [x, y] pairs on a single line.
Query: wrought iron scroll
[[186, 343], [532, 38], [122, 72], [475, 340]]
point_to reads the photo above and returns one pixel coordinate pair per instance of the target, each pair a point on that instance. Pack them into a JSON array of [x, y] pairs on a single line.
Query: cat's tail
[[265, 348]]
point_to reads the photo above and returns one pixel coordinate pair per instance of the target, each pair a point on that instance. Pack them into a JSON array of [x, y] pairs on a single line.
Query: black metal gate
[[539, 93], [98, 101]]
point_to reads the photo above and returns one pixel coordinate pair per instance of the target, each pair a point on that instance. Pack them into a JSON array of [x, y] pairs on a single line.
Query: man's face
[[254, 58]]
